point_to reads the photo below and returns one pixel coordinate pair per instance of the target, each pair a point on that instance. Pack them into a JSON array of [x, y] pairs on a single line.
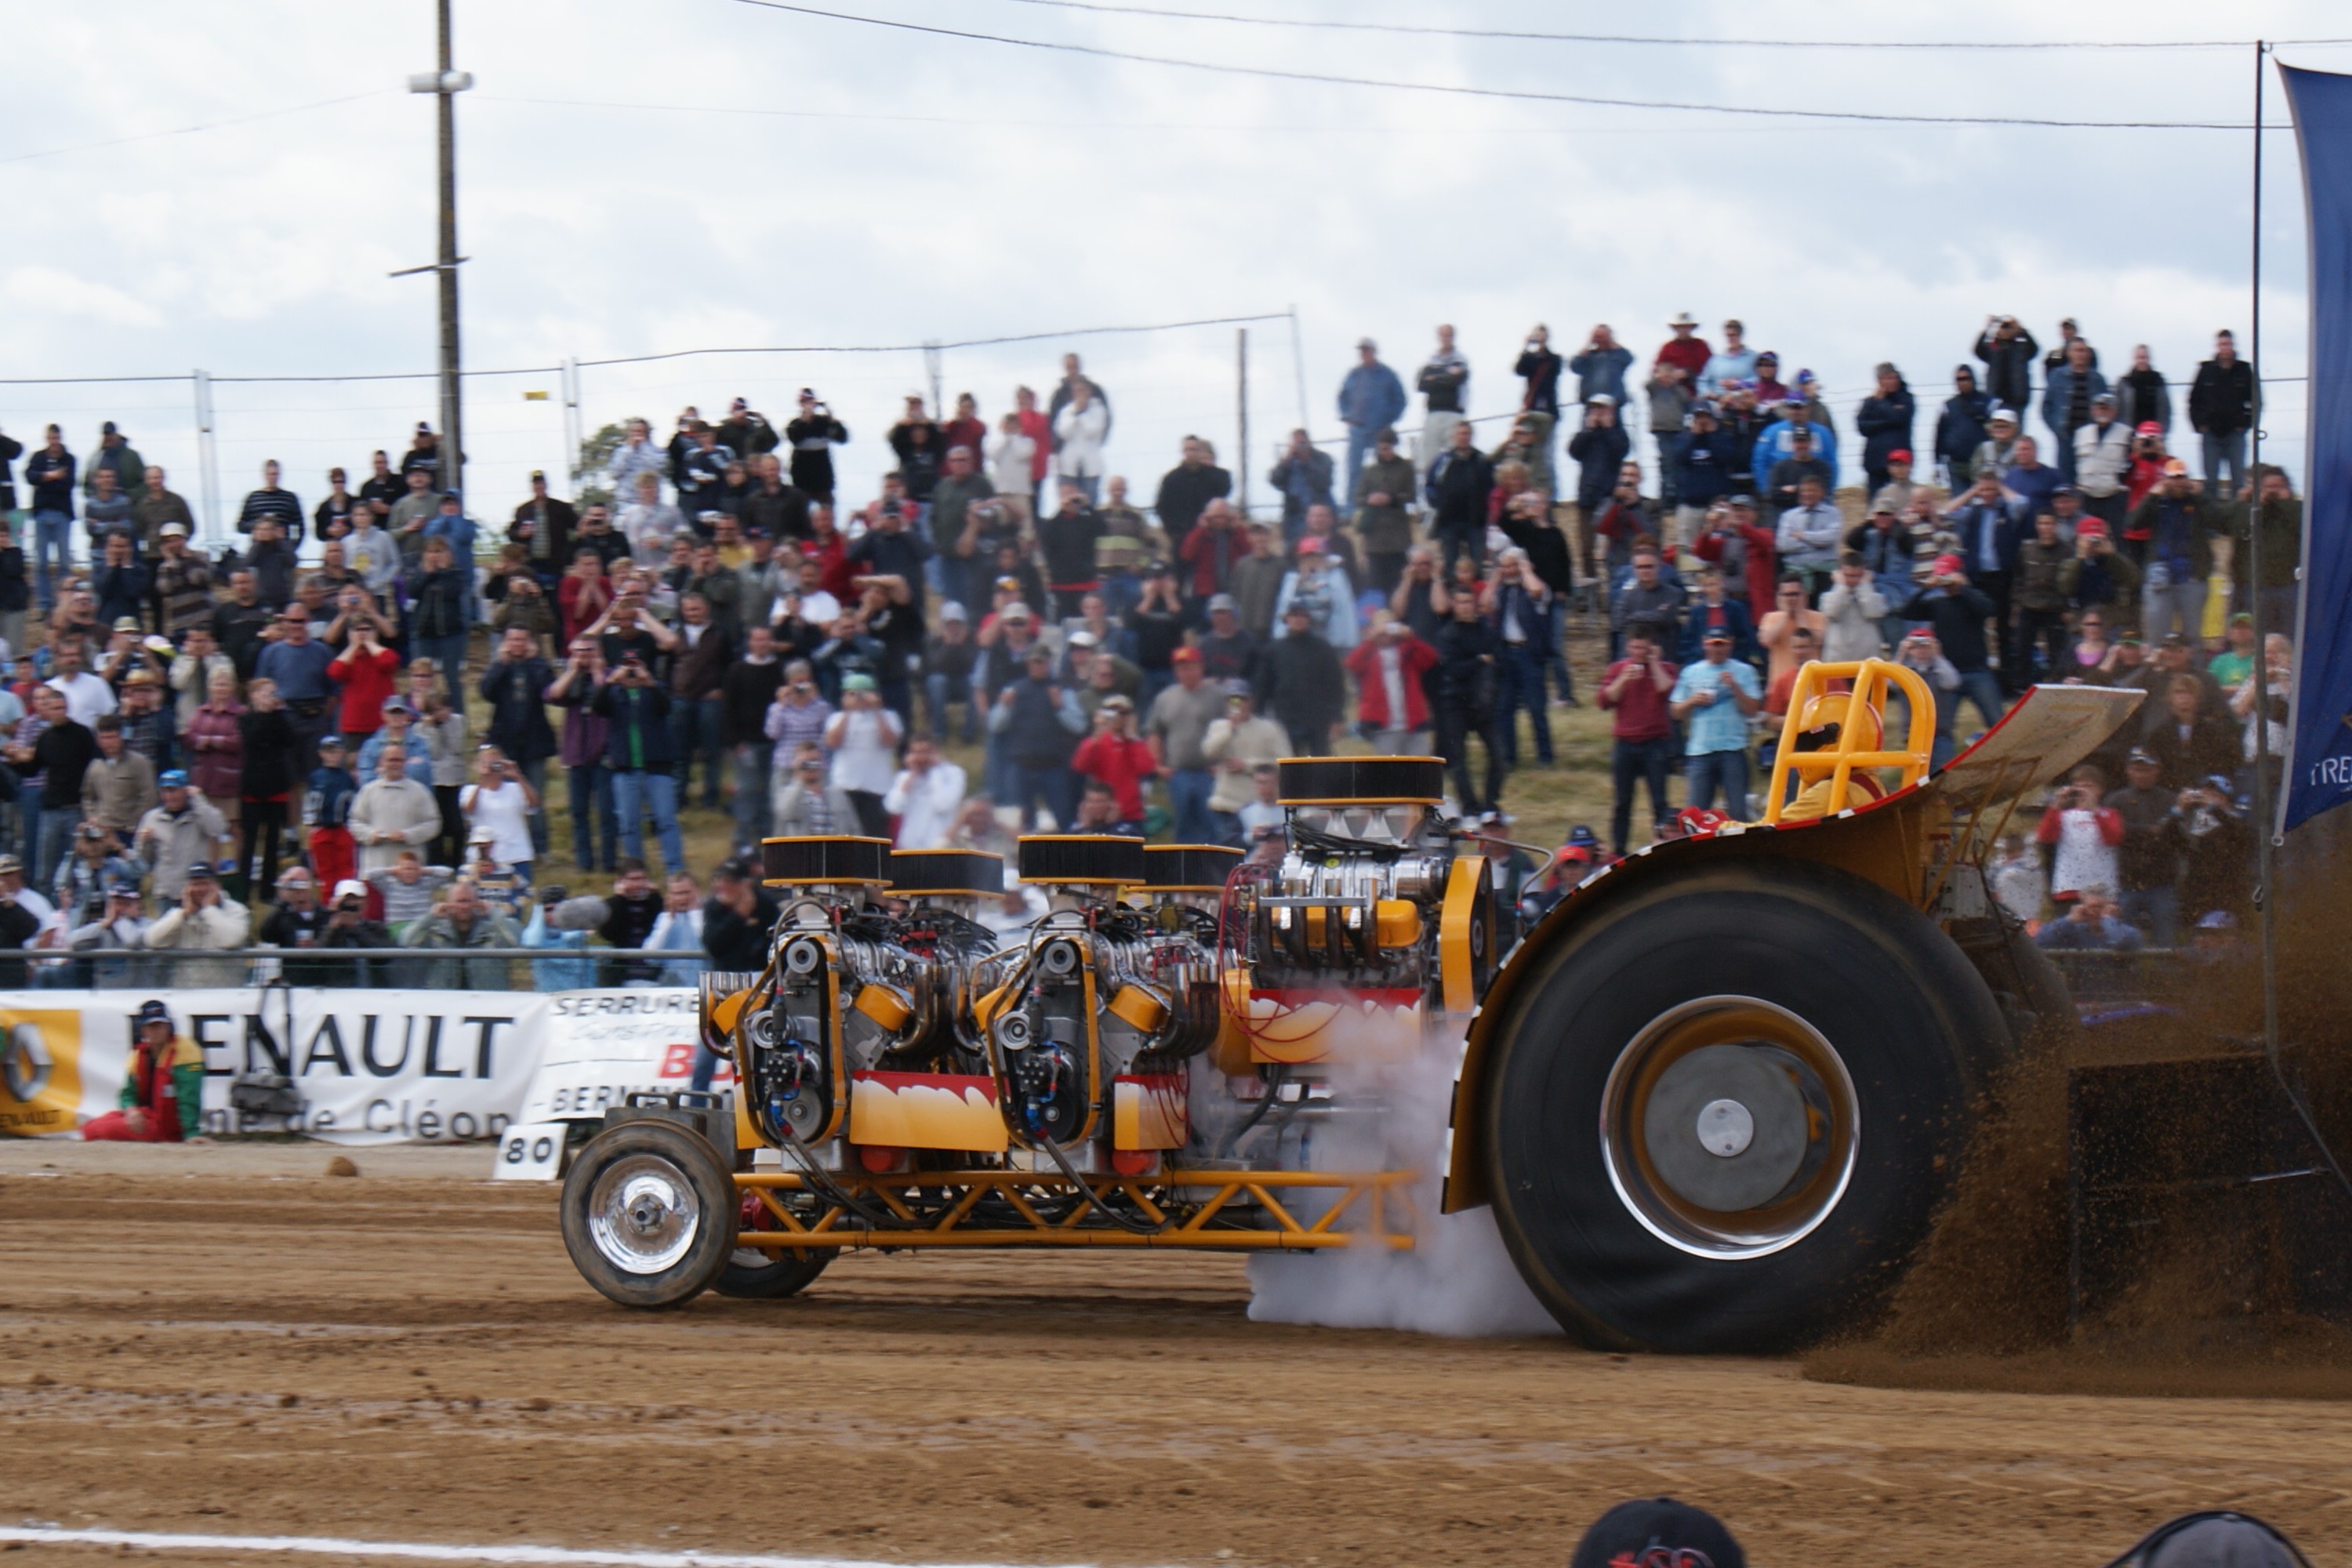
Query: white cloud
[[1088, 192]]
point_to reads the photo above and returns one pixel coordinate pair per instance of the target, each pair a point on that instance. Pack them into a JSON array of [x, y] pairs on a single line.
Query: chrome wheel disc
[[1730, 1127], [642, 1214]]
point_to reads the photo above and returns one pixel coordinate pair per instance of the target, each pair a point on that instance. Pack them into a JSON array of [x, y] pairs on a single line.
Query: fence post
[[207, 460], [933, 361], [572, 434], [1298, 363], [1241, 446]]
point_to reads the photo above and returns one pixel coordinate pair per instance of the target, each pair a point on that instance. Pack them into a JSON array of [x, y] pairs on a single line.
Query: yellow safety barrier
[[1837, 765]]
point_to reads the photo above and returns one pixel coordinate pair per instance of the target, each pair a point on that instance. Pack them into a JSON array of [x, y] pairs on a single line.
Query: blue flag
[[2318, 772]]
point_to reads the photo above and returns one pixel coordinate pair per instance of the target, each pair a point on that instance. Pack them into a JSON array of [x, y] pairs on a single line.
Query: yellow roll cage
[[1838, 764]]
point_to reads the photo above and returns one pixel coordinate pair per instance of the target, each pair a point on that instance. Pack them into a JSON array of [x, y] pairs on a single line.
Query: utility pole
[[445, 84], [1241, 448]]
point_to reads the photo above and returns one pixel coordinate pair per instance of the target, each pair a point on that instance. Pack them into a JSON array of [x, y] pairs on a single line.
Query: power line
[[1526, 36], [192, 129], [1522, 94], [673, 354], [1237, 127], [963, 343]]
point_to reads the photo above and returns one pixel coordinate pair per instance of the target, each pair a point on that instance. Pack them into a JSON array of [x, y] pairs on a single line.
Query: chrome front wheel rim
[[643, 1215]]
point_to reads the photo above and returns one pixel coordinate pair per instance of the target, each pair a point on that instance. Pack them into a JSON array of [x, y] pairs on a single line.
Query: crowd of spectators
[[341, 728]]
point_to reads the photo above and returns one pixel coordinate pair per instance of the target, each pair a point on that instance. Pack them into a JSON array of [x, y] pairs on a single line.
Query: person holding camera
[[1716, 698], [502, 800], [642, 757]]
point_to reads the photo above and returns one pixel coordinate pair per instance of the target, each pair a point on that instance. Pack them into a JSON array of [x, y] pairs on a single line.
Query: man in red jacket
[[1392, 697], [1736, 540], [163, 1086], [1635, 690], [1116, 757]]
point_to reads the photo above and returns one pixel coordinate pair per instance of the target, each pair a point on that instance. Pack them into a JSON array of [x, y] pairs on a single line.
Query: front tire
[[649, 1213], [1723, 1113]]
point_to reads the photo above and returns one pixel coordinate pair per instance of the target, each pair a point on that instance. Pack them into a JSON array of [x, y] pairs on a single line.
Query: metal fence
[[431, 968]]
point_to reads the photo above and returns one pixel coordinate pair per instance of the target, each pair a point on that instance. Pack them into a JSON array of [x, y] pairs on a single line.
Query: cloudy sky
[[642, 179]]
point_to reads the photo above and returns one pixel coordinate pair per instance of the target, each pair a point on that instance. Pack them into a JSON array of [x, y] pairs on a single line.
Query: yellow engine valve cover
[[1396, 922], [884, 1006], [1139, 1010]]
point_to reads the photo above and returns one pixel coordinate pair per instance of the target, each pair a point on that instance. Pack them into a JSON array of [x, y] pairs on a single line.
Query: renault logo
[[27, 1063]]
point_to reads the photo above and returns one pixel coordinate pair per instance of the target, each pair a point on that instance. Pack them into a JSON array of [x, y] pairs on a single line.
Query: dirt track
[[411, 1357]]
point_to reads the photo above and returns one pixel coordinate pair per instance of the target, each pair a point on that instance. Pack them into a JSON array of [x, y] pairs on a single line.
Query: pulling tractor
[[1713, 1097]]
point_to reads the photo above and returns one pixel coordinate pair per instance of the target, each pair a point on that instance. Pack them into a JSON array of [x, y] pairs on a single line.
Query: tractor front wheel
[[649, 1213]]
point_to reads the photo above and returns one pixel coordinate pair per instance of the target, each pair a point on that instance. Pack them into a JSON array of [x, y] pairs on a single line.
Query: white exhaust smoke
[[1457, 1281]]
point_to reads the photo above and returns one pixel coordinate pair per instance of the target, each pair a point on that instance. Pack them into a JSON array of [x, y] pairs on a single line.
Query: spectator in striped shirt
[[274, 501]]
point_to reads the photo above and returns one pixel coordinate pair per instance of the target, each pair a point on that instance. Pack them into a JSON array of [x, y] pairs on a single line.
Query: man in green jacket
[[1384, 495]]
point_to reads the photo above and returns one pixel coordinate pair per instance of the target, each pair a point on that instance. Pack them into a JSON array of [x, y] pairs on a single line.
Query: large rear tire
[[649, 1213], [1725, 1109]]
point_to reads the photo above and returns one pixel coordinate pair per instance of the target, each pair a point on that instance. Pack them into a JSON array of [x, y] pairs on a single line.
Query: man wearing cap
[[118, 926], [298, 921], [1371, 398], [95, 864], [1958, 612], [180, 829], [2179, 525], [1301, 682], [1384, 523], [543, 524], [184, 584], [163, 1086], [1780, 440], [203, 920], [2101, 453], [1714, 698], [2149, 856], [1600, 448], [1114, 757], [1176, 730]]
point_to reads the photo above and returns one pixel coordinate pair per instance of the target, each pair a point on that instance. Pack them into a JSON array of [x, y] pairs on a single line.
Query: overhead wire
[[1461, 89], [193, 129], [1531, 36]]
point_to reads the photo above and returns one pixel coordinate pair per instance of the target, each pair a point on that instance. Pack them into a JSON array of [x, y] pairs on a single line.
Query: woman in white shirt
[[1010, 455], [501, 800], [1080, 426], [864, 740]]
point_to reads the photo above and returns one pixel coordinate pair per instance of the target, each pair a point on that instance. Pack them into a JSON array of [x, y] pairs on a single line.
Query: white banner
[[369, 1066], [600, 1044]]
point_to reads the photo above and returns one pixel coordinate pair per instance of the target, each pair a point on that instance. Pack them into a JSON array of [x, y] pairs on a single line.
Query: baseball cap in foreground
[[1682, 1535]]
